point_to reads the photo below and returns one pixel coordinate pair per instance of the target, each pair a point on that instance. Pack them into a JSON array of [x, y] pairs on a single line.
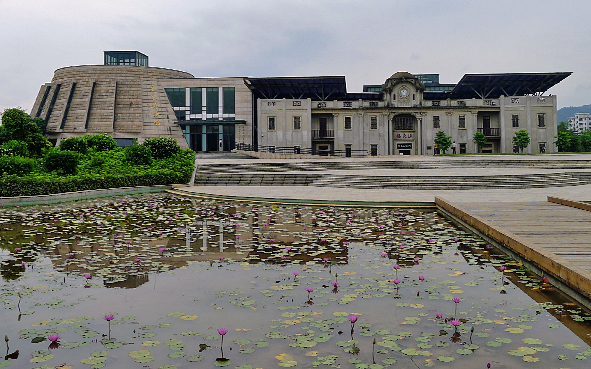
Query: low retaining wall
[[67, 196], [571, 203]]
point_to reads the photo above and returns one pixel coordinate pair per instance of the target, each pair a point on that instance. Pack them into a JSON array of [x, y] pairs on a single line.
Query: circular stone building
[[123, 101]]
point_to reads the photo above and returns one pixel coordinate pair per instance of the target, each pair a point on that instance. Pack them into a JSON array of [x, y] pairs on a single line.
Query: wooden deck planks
[[556, 237]]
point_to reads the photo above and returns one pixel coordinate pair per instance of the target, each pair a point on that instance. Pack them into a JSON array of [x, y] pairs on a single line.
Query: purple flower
[[396, 266], [384, 254], [287, 248], [222, 331], [310, 290], [335, 284], [162, 249], [87, 276], [503, 268], [456, 300], [109, 317], [438, 316], [53, 337], [421, 278], [221, 257], [396, 281], [353, 318], [138, 260], [455, 323], [17, 249]]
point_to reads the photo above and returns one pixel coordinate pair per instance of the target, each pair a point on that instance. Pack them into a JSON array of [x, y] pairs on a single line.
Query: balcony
[[322, 133], [490, 132]]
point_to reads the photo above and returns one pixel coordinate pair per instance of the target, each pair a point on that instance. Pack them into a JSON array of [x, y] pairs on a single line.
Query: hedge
[[12, 185]]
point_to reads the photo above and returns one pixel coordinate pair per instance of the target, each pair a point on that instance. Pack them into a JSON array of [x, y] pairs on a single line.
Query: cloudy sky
[[366, 41]]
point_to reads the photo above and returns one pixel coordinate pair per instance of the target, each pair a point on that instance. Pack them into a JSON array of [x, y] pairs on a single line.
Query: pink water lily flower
[[53, 337], [455, 323], [353, 318], [222, 331], [109, 317]]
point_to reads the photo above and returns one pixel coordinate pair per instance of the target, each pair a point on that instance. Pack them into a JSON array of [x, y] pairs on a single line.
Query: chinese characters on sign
[[153, 106], [404, 135]]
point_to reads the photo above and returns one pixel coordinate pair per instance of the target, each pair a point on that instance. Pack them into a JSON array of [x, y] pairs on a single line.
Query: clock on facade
[[403, 92]]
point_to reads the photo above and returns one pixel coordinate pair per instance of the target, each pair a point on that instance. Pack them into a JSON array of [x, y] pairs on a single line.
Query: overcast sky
[[366, 41]]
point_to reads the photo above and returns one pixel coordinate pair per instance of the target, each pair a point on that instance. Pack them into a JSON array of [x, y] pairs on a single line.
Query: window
[[462, 122], [176, 96], [196, 101], [541, 121], [373, 122], [229, 100], [436, 121], [212, 95], [271, 124], [542, 146], [515, 120], [297, 123], [347, 122], [403, 123]]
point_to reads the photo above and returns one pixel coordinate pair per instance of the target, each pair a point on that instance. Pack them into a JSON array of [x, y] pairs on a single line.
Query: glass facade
[[212, 100], [126, 58]]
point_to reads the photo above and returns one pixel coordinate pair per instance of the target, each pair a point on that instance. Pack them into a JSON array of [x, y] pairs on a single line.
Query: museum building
[[128, 99]]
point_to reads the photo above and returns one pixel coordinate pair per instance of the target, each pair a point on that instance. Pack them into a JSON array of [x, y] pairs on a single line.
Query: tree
[[22, 128], [568, 141], [442, 140], [480, 140], [585, 141], [563, 126], [521, 139]]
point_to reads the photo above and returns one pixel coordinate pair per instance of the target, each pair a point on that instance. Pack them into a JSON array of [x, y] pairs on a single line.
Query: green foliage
[[521, 139], [567, 141], [62, 162], [16, 165], [22, 128], [480, 140], [138, 155], [442, 140], [5, 135], [162, 147], [563, 126], [41, 124], [101, 142], [585, 141], [14, 148], [77, 144]]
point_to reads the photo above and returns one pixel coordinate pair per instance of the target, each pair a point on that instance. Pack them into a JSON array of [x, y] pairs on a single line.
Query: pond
[[162, 281]]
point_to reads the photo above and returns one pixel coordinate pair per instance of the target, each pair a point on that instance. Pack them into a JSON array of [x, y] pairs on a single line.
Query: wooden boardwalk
[[554, 237]]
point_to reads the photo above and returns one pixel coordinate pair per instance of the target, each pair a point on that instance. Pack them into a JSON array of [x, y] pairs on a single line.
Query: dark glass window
[[347, 122], [297, 123], [212, 96], [462, 122], [229, 100], [436, 121], [373, 122], [515, 120], [403, 123], [541, 121], [176, 96], [271, 126], [196, 101]]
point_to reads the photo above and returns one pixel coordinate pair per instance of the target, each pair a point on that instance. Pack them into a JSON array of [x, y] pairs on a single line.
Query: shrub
[[14, 148], [77, 144], [162, 147], [138, 155], [17, 165], [100, 142], [63, 162]]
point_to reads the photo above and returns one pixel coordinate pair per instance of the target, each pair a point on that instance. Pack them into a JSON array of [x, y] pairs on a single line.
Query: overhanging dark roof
[[315, 88], [491, 86]]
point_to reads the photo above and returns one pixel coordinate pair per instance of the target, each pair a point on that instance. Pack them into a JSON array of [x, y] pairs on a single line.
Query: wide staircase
[[372, 174]]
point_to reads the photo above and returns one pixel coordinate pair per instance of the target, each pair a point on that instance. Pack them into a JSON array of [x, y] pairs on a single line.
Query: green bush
[[138, 155], [162, 147], [14, 148], [100, 142], [63, 162], [77, 144], [17, 165]]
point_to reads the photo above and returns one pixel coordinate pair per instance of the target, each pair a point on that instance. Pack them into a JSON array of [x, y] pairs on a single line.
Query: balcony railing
[[490, 131], [322, 133]]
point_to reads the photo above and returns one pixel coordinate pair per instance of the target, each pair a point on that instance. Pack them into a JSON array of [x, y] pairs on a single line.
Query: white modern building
[[581, 122]]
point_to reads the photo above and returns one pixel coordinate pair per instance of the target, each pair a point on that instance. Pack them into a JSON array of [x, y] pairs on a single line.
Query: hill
[[565, 113]]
